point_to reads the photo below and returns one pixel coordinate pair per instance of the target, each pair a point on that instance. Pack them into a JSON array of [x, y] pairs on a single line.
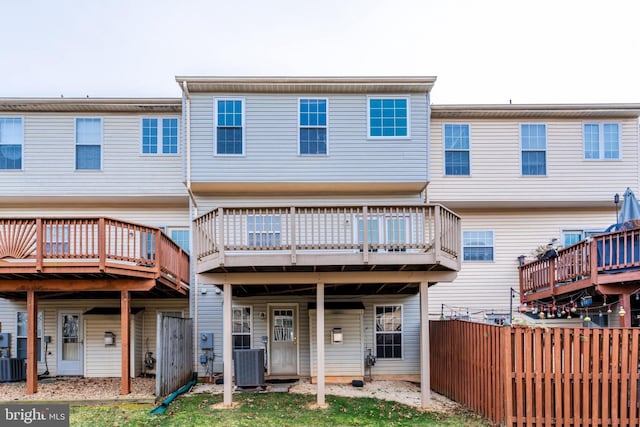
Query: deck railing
[[407, 228], [59, 244], [617, 251]]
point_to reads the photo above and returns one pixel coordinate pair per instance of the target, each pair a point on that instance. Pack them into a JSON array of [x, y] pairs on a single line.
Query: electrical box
[[47, 339], [5, 339], [205, 341]]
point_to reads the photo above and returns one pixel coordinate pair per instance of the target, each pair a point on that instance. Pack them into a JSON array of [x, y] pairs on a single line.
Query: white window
[[241, 327], [388, 331], [477, 245], [263, 230], [533, 146], [313, 126], [388, 117], [229, 124], [181, 237], [601, 141], [21, 334], [159, 135], [56, 239], [88, 143], [573, 236], [457, 154], [11, 142]]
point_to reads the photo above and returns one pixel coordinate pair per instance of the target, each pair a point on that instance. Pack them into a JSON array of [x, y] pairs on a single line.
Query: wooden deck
[[327, 238], [610, 262], [85, 254]]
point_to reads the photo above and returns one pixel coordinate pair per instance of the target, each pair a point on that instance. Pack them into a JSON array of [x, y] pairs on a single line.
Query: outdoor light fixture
[[616, 200], [336, 335], [109, 339]]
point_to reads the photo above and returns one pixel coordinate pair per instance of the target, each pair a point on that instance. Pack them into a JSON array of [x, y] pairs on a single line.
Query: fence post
[[507, 350]]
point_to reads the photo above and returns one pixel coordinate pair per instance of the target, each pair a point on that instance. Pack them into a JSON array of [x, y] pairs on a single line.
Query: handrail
[[91, 240]]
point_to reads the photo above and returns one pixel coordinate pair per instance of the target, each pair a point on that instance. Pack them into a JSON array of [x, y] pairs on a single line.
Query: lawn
[[269, 409]]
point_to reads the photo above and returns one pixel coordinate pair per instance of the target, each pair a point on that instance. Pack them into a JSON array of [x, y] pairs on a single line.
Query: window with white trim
[[241, 327], [601, 141], [11, 142], [573, 236], [159, 135], [21, 334], [181, 237], [477, 245], [313, 126], [88, 143], [388, 331], [457, 154], [263, 230], [533, 146], [56, 239], [229, 122], [388, 117]]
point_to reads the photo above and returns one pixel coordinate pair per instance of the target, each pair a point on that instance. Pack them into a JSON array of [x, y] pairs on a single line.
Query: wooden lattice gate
[[175, 354]]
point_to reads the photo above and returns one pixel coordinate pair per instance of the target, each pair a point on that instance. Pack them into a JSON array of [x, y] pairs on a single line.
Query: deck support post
[[320, 342], [125, 308], [625, 302], [425, 372], [32, 342], [227, 344]]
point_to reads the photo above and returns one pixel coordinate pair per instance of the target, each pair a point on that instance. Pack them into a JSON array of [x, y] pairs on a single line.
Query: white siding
[[345, 359], [101, 360], [496, 170], [49, 166], [271, 143], [485, 286]]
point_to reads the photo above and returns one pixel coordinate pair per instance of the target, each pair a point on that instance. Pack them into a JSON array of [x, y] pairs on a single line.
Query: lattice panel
[[17, 238]]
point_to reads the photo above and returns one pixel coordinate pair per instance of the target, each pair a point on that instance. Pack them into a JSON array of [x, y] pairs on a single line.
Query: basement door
[[284, 341], [70, 343]]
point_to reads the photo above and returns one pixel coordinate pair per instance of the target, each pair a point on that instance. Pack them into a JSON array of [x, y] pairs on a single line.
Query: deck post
[[425, 372], [227, 350], [39, 244], [125, 304], [102, 244], [625, 302], [32, 342], [320, 342]]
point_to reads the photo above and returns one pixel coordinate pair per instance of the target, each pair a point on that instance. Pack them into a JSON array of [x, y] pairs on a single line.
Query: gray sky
[[485, 51]]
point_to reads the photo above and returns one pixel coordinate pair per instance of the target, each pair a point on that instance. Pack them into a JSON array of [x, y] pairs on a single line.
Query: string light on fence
[[622, 311]]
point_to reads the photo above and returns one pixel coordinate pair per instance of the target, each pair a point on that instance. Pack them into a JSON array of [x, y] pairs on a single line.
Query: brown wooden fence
[[539, 377], [175, 354]]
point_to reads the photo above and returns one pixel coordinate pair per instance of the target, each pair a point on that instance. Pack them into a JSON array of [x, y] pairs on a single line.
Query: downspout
[[425, 195], [195, 288]]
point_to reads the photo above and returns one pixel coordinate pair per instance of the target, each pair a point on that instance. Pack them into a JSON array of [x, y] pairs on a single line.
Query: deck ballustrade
[[55, 247], [612, 258], [327, 237]]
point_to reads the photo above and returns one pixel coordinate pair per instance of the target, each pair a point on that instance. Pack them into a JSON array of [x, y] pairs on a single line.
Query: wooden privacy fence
[[539, 377], [174, 347]]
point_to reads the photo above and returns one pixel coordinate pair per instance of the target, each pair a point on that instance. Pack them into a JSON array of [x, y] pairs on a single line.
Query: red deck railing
[[89, 245], [584, 262]]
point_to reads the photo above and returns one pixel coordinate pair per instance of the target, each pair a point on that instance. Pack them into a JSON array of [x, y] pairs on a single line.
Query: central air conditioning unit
[[249, 367], [12, 369]]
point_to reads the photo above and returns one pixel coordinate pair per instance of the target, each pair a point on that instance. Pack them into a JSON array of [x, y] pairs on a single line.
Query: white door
[[70, 343], [284, 341]]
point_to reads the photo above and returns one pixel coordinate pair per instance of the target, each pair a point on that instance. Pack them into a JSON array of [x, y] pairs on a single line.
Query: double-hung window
[[533, 145], [56, 239], [601, 141], [88, 143], [477, 245], [241, 321], [388, 331], [159, 135], [388, 117], [229, 118], [456, 149], [181, 237], [313, 126], [21, 334], [263, 230], [11, 140]]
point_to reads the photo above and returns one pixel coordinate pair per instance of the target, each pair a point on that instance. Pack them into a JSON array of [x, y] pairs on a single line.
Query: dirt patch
[[396, 391], [72, 388]]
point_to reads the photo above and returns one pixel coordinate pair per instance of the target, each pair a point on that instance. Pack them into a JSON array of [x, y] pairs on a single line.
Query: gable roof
[[527, 111]]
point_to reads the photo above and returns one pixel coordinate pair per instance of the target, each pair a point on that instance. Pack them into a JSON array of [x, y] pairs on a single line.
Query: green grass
[[269, 409]]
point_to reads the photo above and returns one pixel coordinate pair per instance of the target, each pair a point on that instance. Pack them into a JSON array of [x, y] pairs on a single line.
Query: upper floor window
[[389, 331], [181, 237], [388, 117], [456, 149], [88, 143], [159, 136], [263, 230], [573, 236], [477, 245], [313, 126], [601, 141], [533, 143], [229, 120], [11, 139]]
